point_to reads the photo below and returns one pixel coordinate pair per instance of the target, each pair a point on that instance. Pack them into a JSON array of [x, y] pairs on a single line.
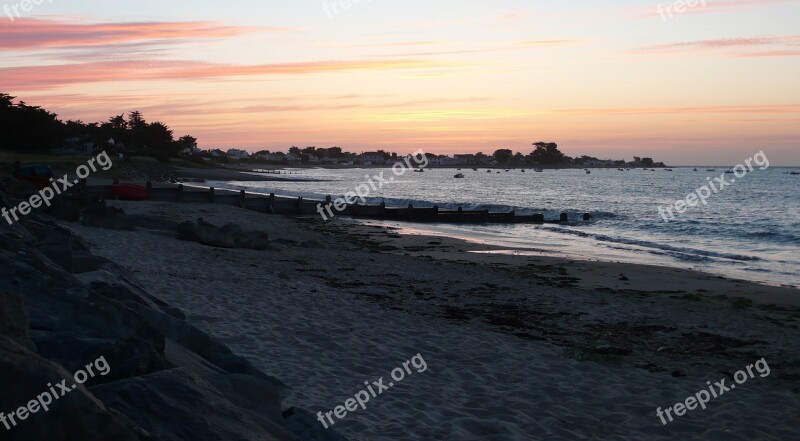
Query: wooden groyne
[[273, 204]]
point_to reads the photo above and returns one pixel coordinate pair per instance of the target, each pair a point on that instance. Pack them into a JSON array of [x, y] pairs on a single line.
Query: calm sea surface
[[750, 230]]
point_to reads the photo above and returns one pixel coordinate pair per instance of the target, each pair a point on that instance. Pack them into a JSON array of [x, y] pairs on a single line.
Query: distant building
[[238, 154], [189, 151], [465, 159], [441, 160], [372, 158], [271, 157]]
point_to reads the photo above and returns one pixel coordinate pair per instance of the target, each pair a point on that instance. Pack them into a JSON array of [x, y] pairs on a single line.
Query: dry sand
[[517, 347]]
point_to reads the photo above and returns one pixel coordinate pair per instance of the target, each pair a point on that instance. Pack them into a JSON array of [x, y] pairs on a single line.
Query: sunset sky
[[712, 85]]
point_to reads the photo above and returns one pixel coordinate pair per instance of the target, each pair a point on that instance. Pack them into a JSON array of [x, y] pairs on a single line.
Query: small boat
[[36, 174], [729, 172], [130, 192], [794, 173], [711, 169], [474, 169], [538, 170], [419, 170], [488, 171], [588, 172], [523, 170], [459, 176], [695, 169]]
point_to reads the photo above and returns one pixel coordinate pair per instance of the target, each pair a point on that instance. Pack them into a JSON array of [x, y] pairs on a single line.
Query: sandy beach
[[517, 346]]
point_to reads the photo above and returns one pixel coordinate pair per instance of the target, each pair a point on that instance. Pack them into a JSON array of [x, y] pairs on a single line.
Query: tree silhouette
[[503, 156]]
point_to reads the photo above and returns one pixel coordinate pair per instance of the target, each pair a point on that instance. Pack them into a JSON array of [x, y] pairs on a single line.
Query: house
[[189, 151], [271, 157], [372, 158], [441, 160], [464, 159], [238, 154]]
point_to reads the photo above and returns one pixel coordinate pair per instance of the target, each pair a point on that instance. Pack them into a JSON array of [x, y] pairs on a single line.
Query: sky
[[689, 83]]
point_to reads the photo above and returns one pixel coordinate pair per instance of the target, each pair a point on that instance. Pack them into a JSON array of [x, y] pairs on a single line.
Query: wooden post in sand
[[242, 196], [180, 193], [149, 186], [587, 216], [299, 205], [272, 203], [383, 209], [211, 194], [564, 217], [538, 218]]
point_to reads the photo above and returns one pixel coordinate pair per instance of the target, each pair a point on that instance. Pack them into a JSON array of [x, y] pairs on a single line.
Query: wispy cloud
[[782, 46], [721, 6], [45, 77], [743, 109], [28, 34]]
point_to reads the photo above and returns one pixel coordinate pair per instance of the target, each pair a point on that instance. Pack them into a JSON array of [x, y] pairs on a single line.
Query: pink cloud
[[53, 76], [781, 46], [721, 6], [744, 109], [41, 34]]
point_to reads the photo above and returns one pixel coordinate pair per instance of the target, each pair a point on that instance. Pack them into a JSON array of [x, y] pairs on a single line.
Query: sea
[[748, 230]]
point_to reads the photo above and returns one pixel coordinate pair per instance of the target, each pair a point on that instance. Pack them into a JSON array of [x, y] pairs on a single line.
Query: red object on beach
[[130, 192]]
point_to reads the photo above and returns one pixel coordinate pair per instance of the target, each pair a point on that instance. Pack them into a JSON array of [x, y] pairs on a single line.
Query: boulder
[[76, 415], [14, 317], [253, 240], [98, 215], [229, 236]]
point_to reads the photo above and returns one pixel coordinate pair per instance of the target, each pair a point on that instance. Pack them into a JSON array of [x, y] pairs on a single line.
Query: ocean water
[[748, 230]]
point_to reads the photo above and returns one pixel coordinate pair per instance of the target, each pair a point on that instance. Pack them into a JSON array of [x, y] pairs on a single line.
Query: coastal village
[[335, 156]]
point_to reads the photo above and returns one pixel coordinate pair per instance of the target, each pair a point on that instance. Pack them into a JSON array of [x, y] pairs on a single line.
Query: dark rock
[[253, 240], [83, 262], [14, 317], [98, 215], [59, 253], [76, 415], [88, 326], [195, 340], [188, 231], [178, 404], [119, 292], [229, 236]]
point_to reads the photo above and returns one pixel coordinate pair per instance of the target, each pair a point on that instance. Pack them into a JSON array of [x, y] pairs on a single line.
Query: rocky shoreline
[[61, 307]]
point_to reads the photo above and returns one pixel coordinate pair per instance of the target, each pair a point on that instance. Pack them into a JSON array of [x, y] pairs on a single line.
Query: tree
[[546, 153], [118, 122], [188, 142], [136, 120], [28, 128], [503, 155]]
